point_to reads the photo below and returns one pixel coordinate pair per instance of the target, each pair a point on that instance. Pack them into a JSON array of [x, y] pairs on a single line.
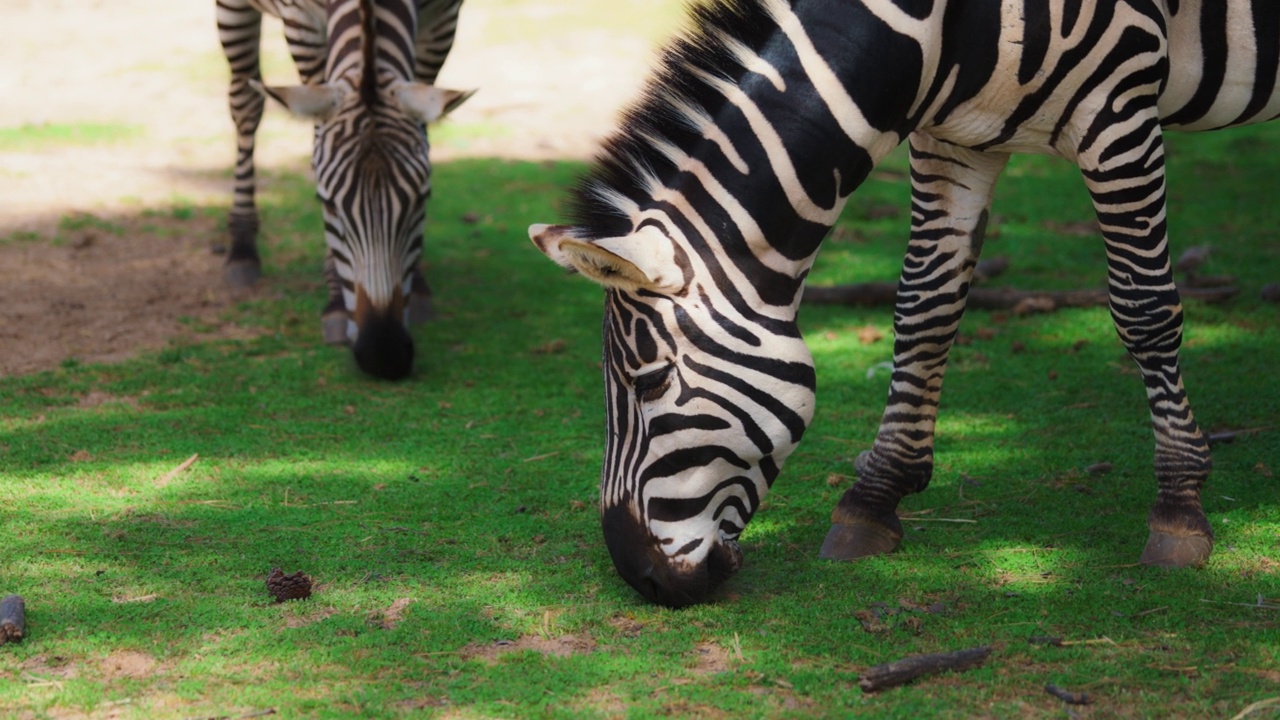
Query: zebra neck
[[781, 146], [371, 43]]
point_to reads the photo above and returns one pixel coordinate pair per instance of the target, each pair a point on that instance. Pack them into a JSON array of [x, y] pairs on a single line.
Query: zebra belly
[[1223, 58]]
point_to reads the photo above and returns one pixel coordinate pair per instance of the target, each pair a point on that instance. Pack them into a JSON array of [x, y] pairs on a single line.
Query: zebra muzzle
[[675, 582]]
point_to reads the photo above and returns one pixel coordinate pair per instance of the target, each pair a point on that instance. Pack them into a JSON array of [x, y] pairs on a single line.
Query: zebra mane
[[672, 110], [369, 51]]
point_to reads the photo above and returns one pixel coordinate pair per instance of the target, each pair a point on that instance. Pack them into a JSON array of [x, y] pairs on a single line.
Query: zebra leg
[[950, 193], [419, 298], [1126, 181], [239, 30], [334, 318], [437, 26]]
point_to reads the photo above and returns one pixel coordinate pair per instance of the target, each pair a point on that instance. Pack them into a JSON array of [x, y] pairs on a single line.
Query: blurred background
[[124, 103], [116, 112]]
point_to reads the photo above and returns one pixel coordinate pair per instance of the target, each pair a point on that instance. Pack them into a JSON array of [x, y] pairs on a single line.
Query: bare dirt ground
[[91, 269]]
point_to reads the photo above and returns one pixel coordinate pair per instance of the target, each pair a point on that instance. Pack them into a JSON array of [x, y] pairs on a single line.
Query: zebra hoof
[[861, 538], [241, 274], [334, 327], [1170, 550], [420, 310]]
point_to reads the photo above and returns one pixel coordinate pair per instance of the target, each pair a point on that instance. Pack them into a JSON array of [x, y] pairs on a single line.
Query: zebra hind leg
[[951, 191], [1147, 312]]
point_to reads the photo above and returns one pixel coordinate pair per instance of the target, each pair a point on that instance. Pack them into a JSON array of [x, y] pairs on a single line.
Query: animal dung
[[288, 587]]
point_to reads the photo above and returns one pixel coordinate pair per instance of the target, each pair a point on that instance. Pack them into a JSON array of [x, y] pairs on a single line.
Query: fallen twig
[[1262, 604], [246, 716], [1067, 696], [164, 479], [988, 269], [1229, 436], [1104, 640], [13, 618], [900, 672], [1254, 707]]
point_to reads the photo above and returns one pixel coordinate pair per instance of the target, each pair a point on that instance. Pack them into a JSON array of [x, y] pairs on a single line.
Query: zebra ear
[[641, 261], [427, 103], [314, 102]]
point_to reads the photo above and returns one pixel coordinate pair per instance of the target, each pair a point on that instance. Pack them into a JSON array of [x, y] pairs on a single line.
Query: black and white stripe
[[367, 68], [704, 213]]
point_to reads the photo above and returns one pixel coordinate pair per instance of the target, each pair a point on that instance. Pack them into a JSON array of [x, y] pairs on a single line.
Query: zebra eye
[[651, 385]]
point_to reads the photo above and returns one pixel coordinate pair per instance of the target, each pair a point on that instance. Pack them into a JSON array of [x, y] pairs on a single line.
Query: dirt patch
[[562, 646], [49, 668], [149, 76], [710, 658], [128, 664], [104, 297], [295, 618], [389, 617]]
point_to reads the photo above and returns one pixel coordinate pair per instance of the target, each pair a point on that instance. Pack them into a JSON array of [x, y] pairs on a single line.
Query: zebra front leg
[[950, 193], [239, 30], [335, 321], [1129, 197], [420, 309]]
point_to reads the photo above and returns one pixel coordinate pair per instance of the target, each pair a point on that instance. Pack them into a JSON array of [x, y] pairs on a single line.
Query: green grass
[[470, 490], [42, 136]]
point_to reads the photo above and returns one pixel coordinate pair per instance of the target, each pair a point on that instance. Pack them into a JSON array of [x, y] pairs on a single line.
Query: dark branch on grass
[[907, 669], [1067, 696]]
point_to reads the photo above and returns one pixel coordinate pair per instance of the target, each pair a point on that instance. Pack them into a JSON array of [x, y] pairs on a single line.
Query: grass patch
[[450, 520], [43, 136]]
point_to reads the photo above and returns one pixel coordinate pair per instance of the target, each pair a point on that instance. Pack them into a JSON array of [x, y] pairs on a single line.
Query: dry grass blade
[[1254, 707], [169, 476]]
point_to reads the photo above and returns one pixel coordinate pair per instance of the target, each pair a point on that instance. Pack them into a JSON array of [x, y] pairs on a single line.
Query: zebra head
[[373, 178], [707, 390]]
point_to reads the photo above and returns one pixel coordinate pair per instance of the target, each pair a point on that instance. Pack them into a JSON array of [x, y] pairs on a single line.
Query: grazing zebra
[[367, 68], [704, 213]]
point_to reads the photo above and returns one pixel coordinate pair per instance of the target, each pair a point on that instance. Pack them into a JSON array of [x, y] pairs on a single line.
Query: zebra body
[[704, 214], [367, 68]]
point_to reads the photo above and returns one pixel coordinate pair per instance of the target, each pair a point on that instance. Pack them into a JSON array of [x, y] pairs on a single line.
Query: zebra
[[703, 214], [367, 69]]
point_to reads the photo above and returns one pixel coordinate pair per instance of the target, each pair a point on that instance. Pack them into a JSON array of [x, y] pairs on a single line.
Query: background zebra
[[367, 68], [705, 212]]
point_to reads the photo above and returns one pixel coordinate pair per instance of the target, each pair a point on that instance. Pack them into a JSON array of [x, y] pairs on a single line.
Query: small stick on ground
[[13, 619], [1067, 696], [907, 669], [164, 479]]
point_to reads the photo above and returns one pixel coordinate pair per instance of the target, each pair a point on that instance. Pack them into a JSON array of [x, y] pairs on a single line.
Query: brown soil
[[562, 646], [90, 276]]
